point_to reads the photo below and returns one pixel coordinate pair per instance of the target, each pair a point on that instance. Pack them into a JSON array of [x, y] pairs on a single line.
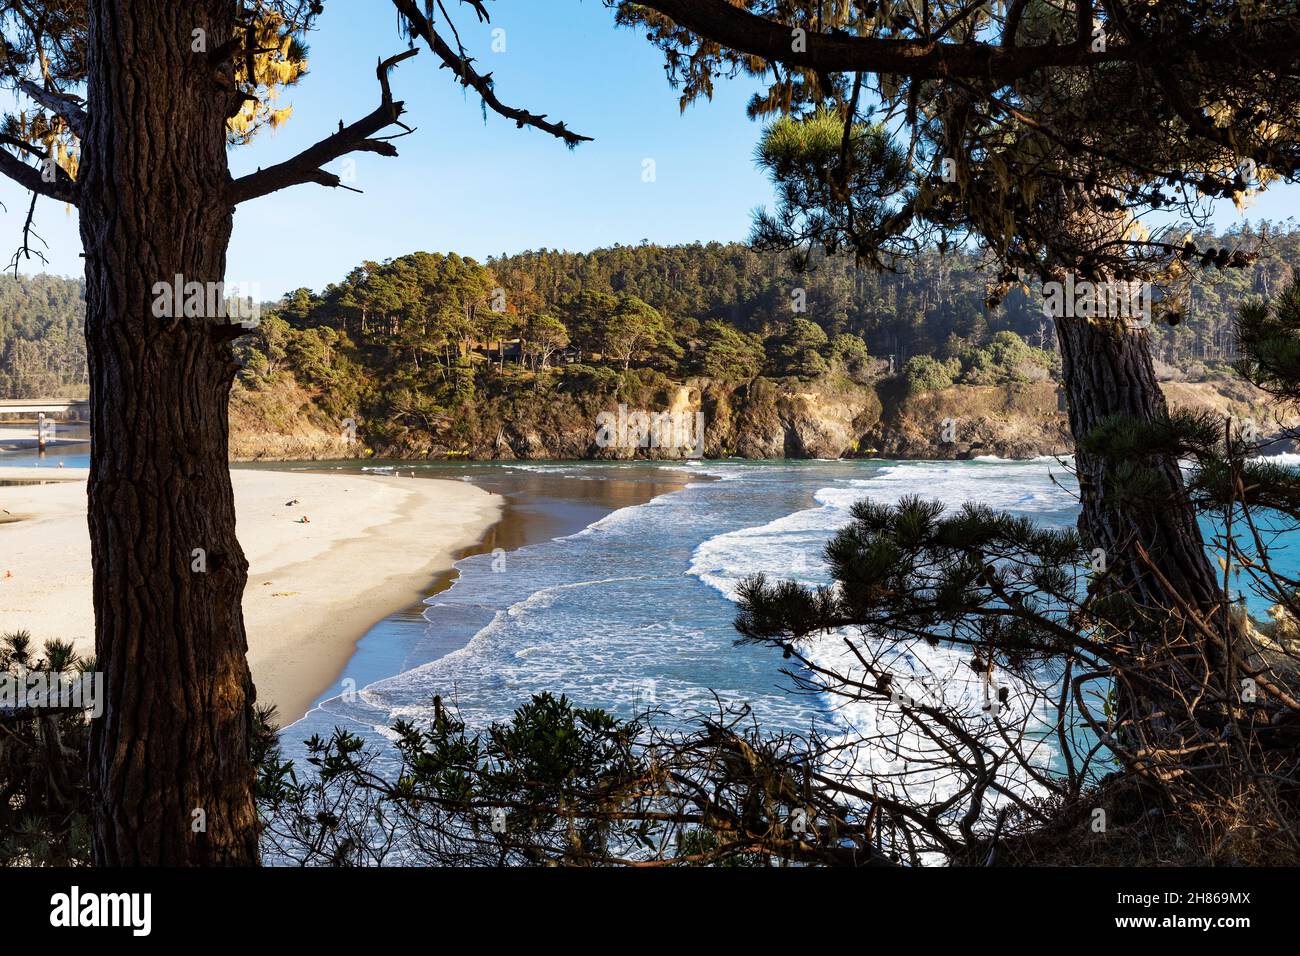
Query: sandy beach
[[373, 546]]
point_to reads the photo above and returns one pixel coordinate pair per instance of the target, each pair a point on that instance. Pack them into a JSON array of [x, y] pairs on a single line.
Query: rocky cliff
[[284, 422], [968, 421], [787, 418]]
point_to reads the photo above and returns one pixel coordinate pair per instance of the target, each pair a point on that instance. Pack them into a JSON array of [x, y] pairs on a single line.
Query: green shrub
[[924, 373]]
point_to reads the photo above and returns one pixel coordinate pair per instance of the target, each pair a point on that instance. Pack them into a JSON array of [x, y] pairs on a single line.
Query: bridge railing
[[77, 410]]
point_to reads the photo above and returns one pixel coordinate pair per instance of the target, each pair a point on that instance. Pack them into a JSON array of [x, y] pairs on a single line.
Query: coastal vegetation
[[414, 352]]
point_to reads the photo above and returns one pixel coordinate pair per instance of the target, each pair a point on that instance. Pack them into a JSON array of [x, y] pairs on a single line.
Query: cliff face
[[1234, 399], [967, 421], [1027, 421], [759, 420], [790, 418], [283, 422]]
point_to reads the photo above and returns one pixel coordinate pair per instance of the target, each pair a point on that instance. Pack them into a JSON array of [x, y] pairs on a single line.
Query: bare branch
[[25, 251], [482, 83], [306, 166]]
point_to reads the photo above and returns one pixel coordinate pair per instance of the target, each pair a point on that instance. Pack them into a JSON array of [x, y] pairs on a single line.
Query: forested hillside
[[436, 355], [915, 311], [439, 354], [42, 343]]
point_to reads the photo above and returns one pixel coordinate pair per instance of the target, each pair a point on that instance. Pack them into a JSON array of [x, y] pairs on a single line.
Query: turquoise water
[[635, 610]]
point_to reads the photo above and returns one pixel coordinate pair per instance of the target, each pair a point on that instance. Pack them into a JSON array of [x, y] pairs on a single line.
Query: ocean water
[[636, 609]]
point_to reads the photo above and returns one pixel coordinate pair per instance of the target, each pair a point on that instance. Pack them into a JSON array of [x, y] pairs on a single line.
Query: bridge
[[78, 409]]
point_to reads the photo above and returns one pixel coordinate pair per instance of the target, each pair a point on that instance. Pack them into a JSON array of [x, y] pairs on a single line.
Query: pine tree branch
[[64, 188], [732, 26], [460, 64], [64, 105], [306, 167]]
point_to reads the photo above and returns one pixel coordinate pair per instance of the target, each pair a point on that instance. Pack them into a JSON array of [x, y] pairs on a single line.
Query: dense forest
[[407, 345], [430, 345], [933, 306], [42, 338]]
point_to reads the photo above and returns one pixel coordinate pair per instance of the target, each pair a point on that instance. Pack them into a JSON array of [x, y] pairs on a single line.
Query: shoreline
[[372, 547], [536, 508]]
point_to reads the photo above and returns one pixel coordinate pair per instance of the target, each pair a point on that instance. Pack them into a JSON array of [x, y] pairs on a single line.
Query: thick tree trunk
[[170, 756], [1108, 371], [1172, 667]]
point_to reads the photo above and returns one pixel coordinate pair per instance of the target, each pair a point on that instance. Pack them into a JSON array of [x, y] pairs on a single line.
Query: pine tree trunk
[[1108, 371], [170, 756]]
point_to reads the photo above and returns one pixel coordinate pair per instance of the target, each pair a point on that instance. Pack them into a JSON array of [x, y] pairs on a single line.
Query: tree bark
[[1107, 370], [170, 759]]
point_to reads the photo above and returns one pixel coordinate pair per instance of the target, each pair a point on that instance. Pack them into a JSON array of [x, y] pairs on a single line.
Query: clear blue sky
[[482, 188]]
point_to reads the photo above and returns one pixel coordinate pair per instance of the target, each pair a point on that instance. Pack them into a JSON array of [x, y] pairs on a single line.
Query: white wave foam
[[790, 548], [1285, 459]]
